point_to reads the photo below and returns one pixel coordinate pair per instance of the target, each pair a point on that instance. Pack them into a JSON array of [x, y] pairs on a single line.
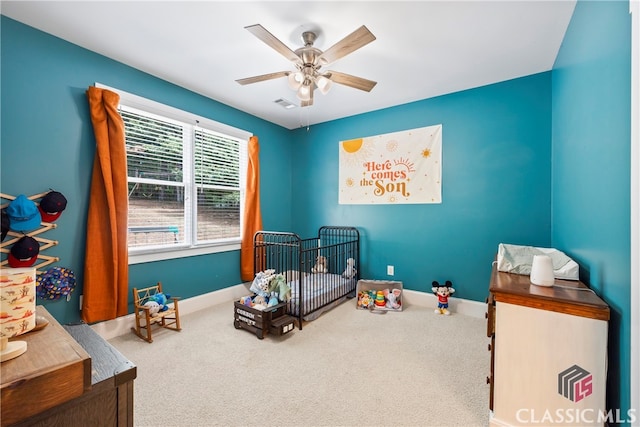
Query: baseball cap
[[23, 214], [52, 205], [5, 224], [24, 253]]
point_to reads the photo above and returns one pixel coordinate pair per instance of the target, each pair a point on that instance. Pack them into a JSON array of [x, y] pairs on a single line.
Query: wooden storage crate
[[367, 291], [282, 325], [261, 322]]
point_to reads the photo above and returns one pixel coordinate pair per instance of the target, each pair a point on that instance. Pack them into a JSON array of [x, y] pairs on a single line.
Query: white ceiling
[[423, 48]]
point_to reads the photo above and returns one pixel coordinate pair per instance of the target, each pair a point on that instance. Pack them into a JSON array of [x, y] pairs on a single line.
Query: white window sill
[[140, 258]]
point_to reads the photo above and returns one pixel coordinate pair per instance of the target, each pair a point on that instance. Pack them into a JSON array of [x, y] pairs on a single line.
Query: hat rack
[[5, 246]]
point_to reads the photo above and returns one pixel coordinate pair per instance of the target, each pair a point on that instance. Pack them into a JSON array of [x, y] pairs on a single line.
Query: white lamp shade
[[17, 308], [542, 271], [324, 84], [295, 80], [304, 93]]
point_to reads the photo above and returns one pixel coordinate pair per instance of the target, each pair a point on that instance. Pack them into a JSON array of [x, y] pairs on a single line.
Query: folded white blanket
[[518, 259]]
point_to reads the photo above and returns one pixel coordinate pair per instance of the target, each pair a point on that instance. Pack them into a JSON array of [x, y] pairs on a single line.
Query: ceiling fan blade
[[260, 32], [353, 41], [263, 77], [310, 101], [351, 81]]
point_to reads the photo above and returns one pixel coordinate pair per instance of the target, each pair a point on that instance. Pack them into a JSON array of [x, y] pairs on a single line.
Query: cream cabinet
[[548, 353]]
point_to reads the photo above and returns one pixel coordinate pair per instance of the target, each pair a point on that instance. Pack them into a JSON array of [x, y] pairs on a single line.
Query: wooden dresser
[[69, 376], [548, 352]]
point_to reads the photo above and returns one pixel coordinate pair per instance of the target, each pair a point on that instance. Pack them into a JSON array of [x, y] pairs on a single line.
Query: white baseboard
[[456, 305], [122, 325]]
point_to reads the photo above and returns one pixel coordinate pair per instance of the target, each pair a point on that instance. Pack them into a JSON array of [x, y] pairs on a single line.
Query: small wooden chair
[[169, 319]]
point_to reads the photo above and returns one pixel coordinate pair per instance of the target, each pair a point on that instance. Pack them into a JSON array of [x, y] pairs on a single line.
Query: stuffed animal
[[350, 271], [273, 300], [161, 299], [321, 265], [154, 308], [393, 298], [259, 302], [442, 292]]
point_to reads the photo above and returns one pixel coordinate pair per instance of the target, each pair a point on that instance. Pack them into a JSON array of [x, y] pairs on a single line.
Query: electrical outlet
[[389, 270]]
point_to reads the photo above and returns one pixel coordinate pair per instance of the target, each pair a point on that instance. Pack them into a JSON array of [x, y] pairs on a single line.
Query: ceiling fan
[[308, 60]]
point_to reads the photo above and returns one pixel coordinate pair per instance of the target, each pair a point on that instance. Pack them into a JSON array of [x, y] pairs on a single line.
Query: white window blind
[[186, 178]]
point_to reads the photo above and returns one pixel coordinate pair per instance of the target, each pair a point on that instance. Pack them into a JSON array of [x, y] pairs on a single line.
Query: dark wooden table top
[[566, 296]]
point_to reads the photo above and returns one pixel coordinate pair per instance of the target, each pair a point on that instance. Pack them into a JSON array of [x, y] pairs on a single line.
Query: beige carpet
[[347, 368]]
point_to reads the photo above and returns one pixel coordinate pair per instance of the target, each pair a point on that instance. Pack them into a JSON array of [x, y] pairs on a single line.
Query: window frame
[[138, 256]]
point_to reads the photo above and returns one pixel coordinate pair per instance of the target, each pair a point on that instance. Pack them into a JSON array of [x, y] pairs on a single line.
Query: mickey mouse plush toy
[[442, 292]]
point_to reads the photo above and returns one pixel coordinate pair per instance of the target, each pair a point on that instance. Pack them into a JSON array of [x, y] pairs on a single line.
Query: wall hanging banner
[[394, 168]]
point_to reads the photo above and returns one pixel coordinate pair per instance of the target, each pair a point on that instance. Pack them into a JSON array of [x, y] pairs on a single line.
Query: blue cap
[[23, 214]]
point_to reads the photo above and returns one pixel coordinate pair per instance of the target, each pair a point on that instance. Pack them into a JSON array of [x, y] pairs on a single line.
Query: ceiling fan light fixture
[[295, 80], [304, 93], [324, 84], [308, 60]]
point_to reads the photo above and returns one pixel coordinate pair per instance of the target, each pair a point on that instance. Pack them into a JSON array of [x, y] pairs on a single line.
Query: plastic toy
[[364, 299], [442, 292], [380, 302]]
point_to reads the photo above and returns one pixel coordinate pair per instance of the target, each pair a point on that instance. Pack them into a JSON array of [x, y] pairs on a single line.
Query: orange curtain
[[106, 270], [252, 214]]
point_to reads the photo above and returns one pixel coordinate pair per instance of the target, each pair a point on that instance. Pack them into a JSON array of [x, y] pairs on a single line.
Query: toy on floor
[[380, 302], [321, 265], [393, 298], [350, 271], [365, 300], [442, 292]]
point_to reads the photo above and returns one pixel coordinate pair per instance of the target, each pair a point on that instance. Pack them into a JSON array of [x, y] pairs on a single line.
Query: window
[[186, 179]]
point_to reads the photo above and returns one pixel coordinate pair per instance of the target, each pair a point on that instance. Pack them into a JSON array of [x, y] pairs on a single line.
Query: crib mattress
[[318, 289]]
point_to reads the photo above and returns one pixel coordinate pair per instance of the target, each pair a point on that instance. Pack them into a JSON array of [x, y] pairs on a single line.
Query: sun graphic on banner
[[356, 151], [392, 145], [350, 182], [353, 145], [406, 163], [426, 153]]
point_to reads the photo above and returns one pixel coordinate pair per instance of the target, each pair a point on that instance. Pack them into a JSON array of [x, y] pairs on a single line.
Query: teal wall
[[496, 173], [47, 142], [591, 92], [541, 160]]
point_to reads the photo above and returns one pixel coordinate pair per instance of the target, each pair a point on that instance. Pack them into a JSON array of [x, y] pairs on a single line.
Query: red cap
[[24, 253]]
